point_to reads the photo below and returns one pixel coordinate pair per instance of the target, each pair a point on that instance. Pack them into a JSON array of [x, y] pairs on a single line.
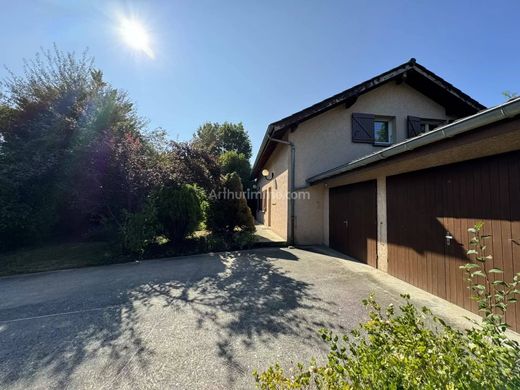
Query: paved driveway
[[193, 323]]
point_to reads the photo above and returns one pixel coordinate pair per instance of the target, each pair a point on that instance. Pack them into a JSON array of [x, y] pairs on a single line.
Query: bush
[[401, 351], [228, 209], [178, 211], [204, 205], [233, 161], [413, 349], [138, 230], [243, 240]]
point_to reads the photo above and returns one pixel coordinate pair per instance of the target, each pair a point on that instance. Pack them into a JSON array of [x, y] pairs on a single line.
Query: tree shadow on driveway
[[91, 323]]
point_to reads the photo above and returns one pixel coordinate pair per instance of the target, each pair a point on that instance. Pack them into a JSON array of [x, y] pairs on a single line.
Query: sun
[[136, 36]]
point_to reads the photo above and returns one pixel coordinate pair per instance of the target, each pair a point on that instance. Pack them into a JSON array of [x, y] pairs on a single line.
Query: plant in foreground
[[414, 349]]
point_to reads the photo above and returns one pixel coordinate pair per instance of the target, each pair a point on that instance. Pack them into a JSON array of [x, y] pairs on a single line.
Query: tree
[[218, 138], [72, 152], [509, 95], [185, 163], [232, 161], [228, 207], [178, 211]]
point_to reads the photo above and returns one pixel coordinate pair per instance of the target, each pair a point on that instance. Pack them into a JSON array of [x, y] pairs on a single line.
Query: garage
[[353, 221], [429, 212]]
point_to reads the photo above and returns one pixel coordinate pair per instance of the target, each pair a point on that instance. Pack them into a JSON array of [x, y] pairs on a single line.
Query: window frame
[[390, 120], [427, 122]]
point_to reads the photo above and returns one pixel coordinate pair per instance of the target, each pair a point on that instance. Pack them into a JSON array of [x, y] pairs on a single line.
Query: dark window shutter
[[363, 128], [414, 126]]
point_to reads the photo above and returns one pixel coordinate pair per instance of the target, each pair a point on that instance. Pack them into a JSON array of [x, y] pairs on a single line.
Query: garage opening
[[353, 221], [430, 211]]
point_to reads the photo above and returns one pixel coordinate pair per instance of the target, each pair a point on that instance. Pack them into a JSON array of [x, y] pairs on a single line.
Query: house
[[392, 172]]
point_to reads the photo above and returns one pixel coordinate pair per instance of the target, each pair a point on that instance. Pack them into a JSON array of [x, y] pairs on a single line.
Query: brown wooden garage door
[[353, 221], [426, 206]]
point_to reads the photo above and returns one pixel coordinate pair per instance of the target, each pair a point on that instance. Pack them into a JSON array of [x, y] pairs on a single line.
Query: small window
[[418, 125], [430, 124], [383, 132]]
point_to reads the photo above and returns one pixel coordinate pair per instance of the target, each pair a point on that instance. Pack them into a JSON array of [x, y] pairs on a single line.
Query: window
[[382, 131], [418, 126], [373, 129], [429, 124]]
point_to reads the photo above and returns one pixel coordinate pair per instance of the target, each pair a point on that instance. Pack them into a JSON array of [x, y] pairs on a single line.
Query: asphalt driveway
[[193, 323]]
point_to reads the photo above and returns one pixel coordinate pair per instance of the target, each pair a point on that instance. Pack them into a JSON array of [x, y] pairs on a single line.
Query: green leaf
[[495, 271]]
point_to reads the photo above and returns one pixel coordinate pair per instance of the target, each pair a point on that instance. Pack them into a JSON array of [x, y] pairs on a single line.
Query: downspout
[[290, 240]]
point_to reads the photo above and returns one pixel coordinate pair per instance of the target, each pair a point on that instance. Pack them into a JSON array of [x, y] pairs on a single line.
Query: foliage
[[228, 207], [204, 205], [72, 150], [412, 349], [243, 240], [509, 95], [53, 256], [76, 161], [179, 211], [187, 163], [239, 240], [138, 230], [233, 161], [493, 295], [218, 138]]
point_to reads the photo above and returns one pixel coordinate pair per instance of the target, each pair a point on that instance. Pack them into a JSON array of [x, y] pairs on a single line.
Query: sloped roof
[[456, 102], [509, 109]]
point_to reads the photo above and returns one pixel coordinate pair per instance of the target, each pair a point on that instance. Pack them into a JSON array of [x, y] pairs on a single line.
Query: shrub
[[493, 295], [178, 211], [412, 349], [243, 240], [233, 161], [228, 209], [204, 205], [138, 230]]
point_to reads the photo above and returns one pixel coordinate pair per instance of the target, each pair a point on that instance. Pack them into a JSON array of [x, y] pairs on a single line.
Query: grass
[[55, 257]]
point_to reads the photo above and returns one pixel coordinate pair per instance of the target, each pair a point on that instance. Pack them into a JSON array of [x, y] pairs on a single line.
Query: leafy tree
[[228, 207], [218, 138], [509, 95], [72, 149], [179, 211], [139, 229], [185, 163], [232, 161]]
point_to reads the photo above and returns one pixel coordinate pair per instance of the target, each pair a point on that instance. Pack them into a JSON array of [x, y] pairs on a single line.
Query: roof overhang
[[456, 102], [506, 110]]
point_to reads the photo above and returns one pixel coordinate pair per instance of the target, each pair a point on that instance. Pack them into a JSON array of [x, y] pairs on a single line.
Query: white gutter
[[485, 117]]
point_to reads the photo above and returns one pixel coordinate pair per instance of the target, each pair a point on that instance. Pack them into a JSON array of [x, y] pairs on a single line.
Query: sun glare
[[136, 36]]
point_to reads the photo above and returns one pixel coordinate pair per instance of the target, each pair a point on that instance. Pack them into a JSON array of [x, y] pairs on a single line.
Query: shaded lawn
[[57, 256]]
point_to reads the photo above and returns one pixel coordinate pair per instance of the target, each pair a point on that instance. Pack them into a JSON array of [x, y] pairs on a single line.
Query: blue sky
[[259, 61]]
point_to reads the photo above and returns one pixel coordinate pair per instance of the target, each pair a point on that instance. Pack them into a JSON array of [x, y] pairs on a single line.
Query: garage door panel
[[452, 199], [514, 195], [356, 204]]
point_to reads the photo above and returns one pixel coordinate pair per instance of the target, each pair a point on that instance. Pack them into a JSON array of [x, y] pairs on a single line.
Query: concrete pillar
[[326, 214], [382, 247]]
